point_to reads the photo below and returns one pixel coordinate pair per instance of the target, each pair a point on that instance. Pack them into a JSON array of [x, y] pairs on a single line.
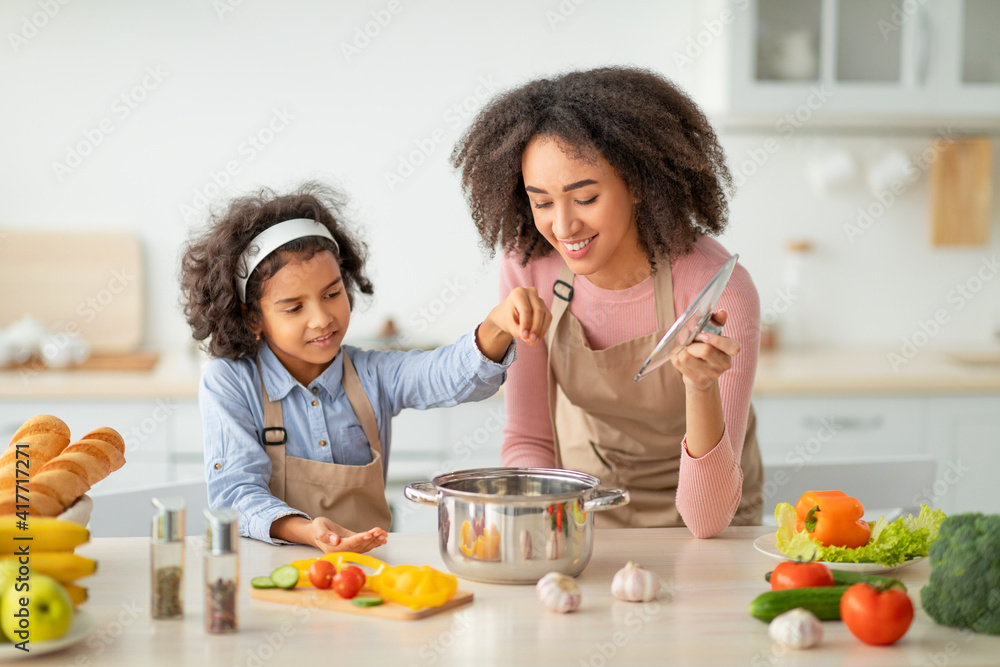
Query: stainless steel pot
[[513, 525]]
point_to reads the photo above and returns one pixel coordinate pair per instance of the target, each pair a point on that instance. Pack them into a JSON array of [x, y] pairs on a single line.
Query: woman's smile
[[577, 249]]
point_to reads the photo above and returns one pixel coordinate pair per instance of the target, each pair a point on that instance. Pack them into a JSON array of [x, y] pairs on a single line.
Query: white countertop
[[809, 371], [705, 622]]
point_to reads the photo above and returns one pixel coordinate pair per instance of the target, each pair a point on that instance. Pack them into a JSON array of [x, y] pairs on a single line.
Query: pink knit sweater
[[709, 488]]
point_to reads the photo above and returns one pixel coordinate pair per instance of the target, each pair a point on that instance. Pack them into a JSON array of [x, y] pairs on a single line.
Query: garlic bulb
[[558, 592], [635, 584], [797, 628]]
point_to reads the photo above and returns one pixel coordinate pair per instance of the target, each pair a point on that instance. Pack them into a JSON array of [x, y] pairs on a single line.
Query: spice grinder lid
[[221, 531], [168, 522]]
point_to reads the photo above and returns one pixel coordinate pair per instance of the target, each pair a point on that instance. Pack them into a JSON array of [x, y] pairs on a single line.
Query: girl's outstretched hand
[[329, 537], [522, 315], [707, 357]]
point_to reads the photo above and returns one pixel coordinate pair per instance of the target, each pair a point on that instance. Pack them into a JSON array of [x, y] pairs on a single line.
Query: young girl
[[297, 427], [601, 187]]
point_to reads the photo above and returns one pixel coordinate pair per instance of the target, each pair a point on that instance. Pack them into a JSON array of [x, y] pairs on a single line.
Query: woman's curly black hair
[[653, 135], [211, 302]]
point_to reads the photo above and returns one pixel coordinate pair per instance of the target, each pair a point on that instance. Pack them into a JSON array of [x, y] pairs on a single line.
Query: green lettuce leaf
[[890, 543]]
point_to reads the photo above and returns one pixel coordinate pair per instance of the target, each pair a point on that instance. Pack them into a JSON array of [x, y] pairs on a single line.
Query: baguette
[[58, 472]]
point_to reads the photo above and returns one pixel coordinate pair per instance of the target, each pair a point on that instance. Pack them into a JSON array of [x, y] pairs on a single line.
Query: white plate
[[83, 625], [768, 545], [691, 323]]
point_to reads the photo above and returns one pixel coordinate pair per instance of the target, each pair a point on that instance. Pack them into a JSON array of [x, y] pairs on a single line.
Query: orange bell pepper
[[832, 518]]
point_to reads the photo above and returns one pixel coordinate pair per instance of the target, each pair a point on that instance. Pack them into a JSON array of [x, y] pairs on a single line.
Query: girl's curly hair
[[652, 134], [211, 302]]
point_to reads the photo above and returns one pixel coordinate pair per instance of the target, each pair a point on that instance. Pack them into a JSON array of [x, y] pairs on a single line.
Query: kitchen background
[[140, 117]]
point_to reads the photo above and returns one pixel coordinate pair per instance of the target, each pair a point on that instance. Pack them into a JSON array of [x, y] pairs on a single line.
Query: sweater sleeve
[[709, 487], [527, 435]]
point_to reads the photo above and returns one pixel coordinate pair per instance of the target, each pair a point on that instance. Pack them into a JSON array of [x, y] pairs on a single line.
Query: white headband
[[270, 240]]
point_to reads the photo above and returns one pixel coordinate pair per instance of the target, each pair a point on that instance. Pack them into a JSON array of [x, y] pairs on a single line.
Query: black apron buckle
[[272, 435]]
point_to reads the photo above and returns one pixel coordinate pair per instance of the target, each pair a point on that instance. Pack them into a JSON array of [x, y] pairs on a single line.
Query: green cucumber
[[824, 601], [843, 578], [262, 582], [286, 576], [366, 601]]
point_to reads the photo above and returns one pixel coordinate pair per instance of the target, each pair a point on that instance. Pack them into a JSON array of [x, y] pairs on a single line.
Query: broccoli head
[[964, 589]]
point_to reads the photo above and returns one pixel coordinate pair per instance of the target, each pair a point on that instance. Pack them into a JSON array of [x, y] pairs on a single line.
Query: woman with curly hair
[[296, 425], [611, 181]]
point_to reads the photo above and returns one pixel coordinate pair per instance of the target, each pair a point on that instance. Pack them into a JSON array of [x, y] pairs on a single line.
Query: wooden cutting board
[[317, 599], [90, 281], [961, 189]]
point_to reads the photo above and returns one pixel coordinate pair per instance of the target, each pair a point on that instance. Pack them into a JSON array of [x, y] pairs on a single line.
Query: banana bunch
[[50, 543]]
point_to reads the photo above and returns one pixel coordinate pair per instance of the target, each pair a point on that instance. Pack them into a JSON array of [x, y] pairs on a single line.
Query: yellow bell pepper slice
[[342, 559], [303, 567], [414, 587]]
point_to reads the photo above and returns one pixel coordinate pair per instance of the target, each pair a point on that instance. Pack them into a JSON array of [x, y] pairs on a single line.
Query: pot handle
[[605, 499], [425, 493]]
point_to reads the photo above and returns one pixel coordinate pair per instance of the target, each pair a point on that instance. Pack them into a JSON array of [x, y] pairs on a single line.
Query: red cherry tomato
[[357, 572], [790, 574], [876, 617], [321, 574], [348, 582]]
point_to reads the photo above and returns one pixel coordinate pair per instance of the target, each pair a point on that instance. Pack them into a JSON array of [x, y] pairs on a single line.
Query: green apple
[[35, 608], [8, 571]]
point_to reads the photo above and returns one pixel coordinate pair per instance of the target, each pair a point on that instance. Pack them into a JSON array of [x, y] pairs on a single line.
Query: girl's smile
[[306, 314]]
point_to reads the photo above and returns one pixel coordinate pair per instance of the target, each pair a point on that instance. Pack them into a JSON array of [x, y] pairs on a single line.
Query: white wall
[[350, 118]]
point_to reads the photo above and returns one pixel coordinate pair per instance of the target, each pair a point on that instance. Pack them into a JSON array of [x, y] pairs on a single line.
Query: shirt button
[[315, 390], [218, 466], [322, 443], [315, 403]]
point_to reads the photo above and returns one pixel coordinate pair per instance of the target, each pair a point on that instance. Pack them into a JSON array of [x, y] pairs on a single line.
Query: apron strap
[[274, 438], [562, 294], [362, 404], [663, 292]]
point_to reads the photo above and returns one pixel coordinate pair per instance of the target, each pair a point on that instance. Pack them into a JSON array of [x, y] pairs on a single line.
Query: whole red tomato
[[876, 617], [791, 574], [321, 574], [348, 581]]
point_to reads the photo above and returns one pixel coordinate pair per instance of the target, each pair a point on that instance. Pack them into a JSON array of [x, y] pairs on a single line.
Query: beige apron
[[352, 496], [628, 434]]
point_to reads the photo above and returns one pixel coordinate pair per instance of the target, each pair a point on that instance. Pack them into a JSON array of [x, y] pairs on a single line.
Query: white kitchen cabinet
[[966, 430], [958, 431], [788, 63]]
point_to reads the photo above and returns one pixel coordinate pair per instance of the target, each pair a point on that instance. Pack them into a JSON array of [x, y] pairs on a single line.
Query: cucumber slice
[[286, 576], [367, 601], [262, 582]]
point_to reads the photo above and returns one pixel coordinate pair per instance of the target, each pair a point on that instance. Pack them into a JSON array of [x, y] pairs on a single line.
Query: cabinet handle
[[844, 423], [923, 44], [916, 48]]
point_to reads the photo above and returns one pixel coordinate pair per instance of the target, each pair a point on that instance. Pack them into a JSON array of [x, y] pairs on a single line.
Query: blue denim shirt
[[237, 467]]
